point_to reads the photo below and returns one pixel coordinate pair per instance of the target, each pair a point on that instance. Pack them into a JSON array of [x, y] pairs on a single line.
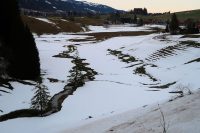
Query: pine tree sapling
[[41, 98], [76, 73]]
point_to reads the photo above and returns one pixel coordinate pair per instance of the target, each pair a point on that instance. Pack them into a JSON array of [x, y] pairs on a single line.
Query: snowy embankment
[[181, 116], [133, 72]]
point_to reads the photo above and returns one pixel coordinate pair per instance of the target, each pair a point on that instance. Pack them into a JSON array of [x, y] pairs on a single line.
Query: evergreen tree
[[115, 17], [76, 72], [145, 11], [167, 26], [135, 19], [18, 43], [191, 27], [140, 22], [174, 25], [41, 99]]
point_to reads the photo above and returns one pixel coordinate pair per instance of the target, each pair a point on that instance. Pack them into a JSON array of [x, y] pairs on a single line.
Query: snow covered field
[[133, 72], [120, 28]]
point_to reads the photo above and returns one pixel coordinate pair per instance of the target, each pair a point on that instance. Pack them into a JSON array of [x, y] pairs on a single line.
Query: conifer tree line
[[173, 27], [17, 46]]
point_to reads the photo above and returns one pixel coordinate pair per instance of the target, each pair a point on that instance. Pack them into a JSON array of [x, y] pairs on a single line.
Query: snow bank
[[181, 116]]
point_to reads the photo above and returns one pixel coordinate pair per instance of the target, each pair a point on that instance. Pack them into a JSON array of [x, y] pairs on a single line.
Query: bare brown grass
[[89, 21], [41, 27], [67, 26]]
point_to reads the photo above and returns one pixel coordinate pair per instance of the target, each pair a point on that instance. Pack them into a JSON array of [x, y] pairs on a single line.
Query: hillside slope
[[51, 25], [181, 116]]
